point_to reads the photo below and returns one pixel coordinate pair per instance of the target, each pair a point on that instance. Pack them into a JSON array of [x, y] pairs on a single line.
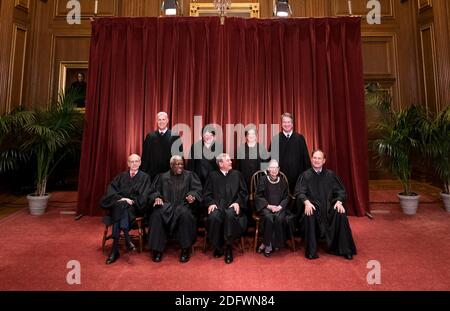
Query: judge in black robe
[[202, 156], [177, 193], [271, 202], [321, 195], [291, 151], [251, 157], [157, 148], [225, 196], [126, 198]]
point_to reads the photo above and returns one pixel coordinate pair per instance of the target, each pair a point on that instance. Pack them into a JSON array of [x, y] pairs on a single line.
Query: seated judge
[[126, 198], [176, 193], [271, 202], [225, 197], [322, 196]]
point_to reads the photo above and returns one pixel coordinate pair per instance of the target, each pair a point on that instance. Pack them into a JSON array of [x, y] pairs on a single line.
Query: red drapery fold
[[245, 71]]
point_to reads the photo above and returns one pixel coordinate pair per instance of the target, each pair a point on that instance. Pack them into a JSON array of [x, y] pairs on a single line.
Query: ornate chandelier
[[222, 6]]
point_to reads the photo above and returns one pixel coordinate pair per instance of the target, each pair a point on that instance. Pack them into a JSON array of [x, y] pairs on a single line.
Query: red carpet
[[414, 253]]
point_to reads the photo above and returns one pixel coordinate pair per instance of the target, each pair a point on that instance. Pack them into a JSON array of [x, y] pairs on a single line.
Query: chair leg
[[255, 240], [293, 243], [105, 233], [204, 242], [140, 233], [242, 244]]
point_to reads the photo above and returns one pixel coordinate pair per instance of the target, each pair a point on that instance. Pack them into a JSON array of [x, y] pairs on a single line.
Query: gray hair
[[220, 157], [272, 163], [175, 158], [162, 113]]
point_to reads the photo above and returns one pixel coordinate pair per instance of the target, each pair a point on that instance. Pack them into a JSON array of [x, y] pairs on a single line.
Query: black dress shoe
[[217, 253], [229, 255], [157, 256], [267, 254], [131, 247], [185, 255], [311, 256], [348, 256], [112, 257], [259, 250]]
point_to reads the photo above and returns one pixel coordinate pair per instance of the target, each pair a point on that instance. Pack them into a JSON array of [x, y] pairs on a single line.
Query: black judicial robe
[[223, 191], [293, 156], [281, 226], [323, 190], [176, 216], [204, 162], [173, 190], [156, 152], [137, 189], [249, 160], [273, 194]]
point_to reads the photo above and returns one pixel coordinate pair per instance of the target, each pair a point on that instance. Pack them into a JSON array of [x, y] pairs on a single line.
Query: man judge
[[322, 195], [225, 197], [176, 195], [157, 148], [126, 198], [291, 151]]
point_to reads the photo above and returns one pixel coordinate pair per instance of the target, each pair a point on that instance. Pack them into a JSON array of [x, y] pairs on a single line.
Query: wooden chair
[[253, 187], [137, 236]]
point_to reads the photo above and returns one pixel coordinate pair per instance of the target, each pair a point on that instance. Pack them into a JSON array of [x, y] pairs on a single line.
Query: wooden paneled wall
[[407, 53]]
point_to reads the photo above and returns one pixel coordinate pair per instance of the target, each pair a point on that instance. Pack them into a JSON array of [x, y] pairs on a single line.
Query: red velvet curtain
[[245, 71]]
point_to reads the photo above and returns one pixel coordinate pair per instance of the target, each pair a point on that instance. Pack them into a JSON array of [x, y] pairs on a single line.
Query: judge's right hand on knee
[[309, 208], [211, 208]]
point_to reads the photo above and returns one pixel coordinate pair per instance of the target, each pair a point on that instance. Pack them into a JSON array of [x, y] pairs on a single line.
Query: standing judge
[[322, 195], [291, 151], [176, 195], [126, 198], [202, 156], [225, 197], [251, 155], [157, 148]]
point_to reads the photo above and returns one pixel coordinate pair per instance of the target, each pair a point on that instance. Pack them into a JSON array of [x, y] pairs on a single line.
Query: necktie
[[132, 175], [288, 135]]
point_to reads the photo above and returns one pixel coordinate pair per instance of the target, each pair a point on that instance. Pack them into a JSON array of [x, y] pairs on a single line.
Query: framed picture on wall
[[73, 76], [239, 9]]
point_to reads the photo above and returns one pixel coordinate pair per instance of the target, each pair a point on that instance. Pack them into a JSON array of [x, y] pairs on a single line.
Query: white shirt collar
[[224, 173], [162, 132], [288, 133], [318, 171]]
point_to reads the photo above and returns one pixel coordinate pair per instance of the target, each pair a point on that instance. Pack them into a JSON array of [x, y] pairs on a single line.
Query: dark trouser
[[182, 226], [123, 224], [335, 229], [223, 225], [275, 228]]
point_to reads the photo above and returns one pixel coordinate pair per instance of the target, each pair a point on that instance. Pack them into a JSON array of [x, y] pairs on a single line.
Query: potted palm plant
[[46, 137], [436, 146], [398, 137]]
